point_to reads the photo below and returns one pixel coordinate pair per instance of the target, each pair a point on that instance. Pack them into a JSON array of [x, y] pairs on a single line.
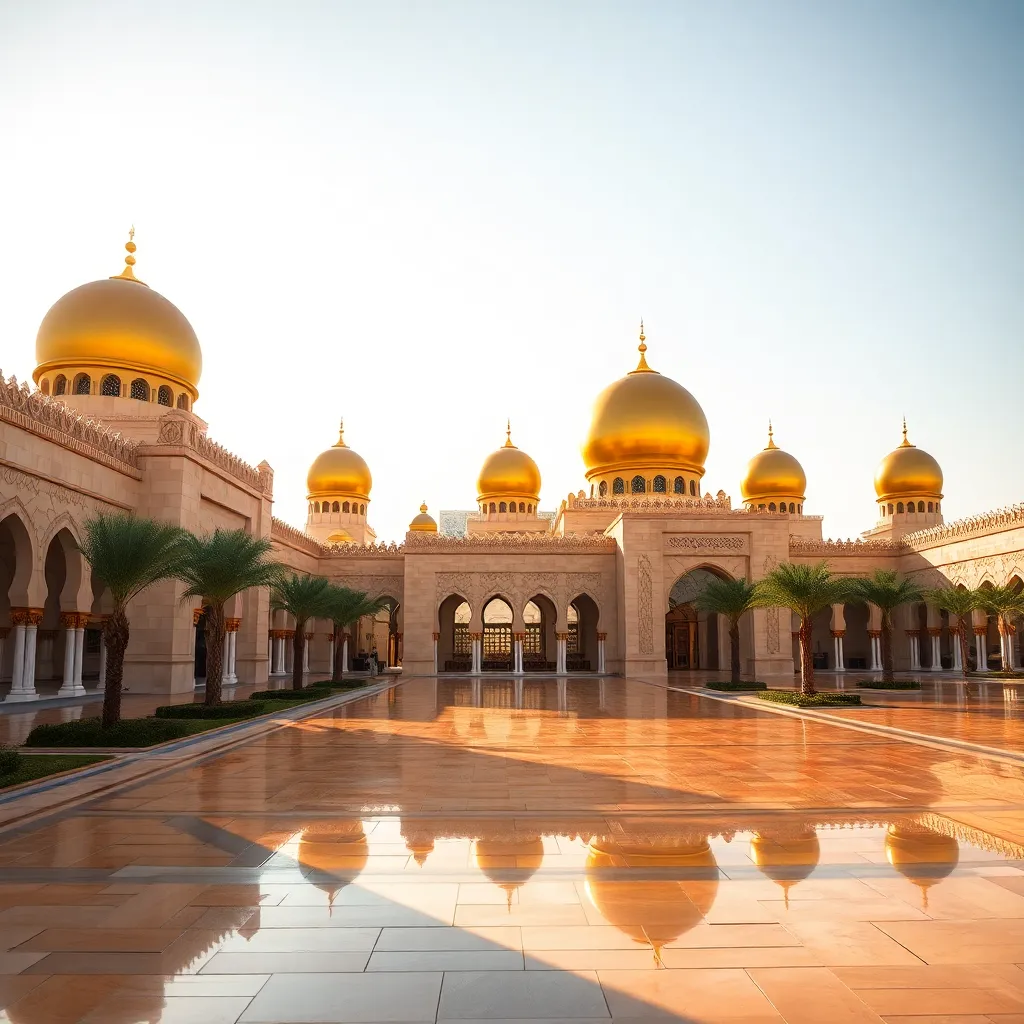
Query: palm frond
[[216, 567], [806, 589], [730, 598], [347, 606], [303, 597], [886, 589]]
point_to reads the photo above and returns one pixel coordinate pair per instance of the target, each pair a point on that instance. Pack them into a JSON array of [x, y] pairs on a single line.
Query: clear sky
[[429, 216]]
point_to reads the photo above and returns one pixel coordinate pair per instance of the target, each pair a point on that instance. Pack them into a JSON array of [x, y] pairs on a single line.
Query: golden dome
[[122, 324], [339, 470], [908, 471], [423, 523], [508, 472], [773, 473], [646, 420]]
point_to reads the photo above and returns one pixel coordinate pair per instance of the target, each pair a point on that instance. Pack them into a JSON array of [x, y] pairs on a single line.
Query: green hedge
[[38, 766], [817, 700], [730, 687], [10, 759], [228, 709], [86, 732], [892, 684]]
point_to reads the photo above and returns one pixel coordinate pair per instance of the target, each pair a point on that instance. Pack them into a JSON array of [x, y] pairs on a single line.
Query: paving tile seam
[[40, 818], [904, 735]]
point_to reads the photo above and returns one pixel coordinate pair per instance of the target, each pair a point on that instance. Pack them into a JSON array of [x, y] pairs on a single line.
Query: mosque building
[[605, 584]]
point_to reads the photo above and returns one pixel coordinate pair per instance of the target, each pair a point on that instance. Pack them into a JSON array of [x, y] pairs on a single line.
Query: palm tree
[[1007, 604], [346, 606], [127, 554], [733, 599], [961, 602], [214, 568], [304, 598], [806, 589], [887, 590]]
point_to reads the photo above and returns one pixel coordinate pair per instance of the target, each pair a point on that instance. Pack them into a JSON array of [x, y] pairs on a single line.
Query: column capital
[[519, 636], [562, 636], [476, 636], [197, 614], [981, 630], [231, 625], [874, 633], [329, 637], [913, 632], [935, 631], [602, 636], [309, 636], [437, 636], [838, 634]]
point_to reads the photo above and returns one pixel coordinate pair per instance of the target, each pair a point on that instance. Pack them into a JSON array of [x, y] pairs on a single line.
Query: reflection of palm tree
[[651, 912], [786, 859], [920, 855]]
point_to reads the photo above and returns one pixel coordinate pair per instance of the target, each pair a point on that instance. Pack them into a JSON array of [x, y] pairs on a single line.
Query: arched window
[[336, 507], [693, 488], [345, 507], [45, 386], [60, 385], [638, 485], [183, 401], [602, 489], [659, 485], [139, 390], [936, 506], [760, 507], [890, 508], [920, 506], [771, 506], [111, 386], [931, 506], [83, 384], [522, 506], [800, 510], [315, 507], [511, 506], [792, 506], [502, 507], [493, 508], [165, 396], [679, 487], [899, 506], [529, 508], [362, 509], [618, 486]]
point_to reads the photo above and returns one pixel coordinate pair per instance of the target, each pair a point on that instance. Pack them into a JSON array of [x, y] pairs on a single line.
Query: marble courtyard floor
[[527, 851]]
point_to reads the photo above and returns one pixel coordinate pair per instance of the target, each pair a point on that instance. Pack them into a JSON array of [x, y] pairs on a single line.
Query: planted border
[[730, 687], [828, 699], [31, 767]]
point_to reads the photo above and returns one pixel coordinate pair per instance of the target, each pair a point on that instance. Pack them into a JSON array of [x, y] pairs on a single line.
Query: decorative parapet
[[288, 534], [972, 526], [184, 433], [498, 542], [831, 548], [650, 502], [49, 418], [375, 550]]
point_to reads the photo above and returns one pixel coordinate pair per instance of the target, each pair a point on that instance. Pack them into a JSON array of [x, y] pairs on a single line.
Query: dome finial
[[128, 274], [341, 434], [423, 505], [905, 443], [771, 438], [642, 367], [508, 434]]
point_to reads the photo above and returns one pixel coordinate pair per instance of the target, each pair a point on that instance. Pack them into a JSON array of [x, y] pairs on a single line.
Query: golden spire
[[905, 443], [128, 274], [341, 434], [508, 435], [642, 366], [423, 507], [771, 438]]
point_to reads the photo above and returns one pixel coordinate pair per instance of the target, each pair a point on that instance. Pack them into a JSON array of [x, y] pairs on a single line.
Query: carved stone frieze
[[645, 605], [772, 641], [699, 542]]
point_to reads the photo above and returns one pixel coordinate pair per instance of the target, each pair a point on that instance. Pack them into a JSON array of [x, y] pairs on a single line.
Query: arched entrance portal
[[581, 643], [540, 643], [497, 640], [454, 644], [693, 639]]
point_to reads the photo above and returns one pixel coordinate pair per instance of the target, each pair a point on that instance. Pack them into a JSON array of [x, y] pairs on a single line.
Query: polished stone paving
[[537, 850]]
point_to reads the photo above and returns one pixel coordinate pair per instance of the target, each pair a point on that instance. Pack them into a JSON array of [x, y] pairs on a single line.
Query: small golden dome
[[646, 420], [339, 471], [908, 471], [773, 473], [508, 472], [423, 523], [122, 324]]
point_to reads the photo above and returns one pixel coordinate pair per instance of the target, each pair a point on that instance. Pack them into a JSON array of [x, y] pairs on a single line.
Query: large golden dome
[[645, 420], [339, 471], [906, 471], [119, 324], [508, 473], [773, 473]]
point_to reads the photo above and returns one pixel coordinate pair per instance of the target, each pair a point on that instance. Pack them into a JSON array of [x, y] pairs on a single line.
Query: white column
[[225, 659], [103, 663], [279, 660], [936, 653], [229, 678], [29, 679], [330, 655], [344, 655], [477, 666], [79, 657], [837, 650], [560, 657], [600, 652], [876, 654], [981, 640], [517, 656], [18, 666], [958, 661], [436, 638], [234, 656], [3, 642], [915, 652], [305, 655], [68, 684]]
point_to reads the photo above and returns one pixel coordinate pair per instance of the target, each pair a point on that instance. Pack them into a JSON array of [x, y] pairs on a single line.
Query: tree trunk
[[806, 658], [336, 668], [734, 649], [214, 630], [961, 638], [887, 662], [115, 639], [298, 646]]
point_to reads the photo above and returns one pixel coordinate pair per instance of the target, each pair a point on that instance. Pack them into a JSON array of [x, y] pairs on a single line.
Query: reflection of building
[[595, 588], [921, 855]]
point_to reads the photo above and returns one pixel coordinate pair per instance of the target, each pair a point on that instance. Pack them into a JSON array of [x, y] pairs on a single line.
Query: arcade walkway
[[553, 851]]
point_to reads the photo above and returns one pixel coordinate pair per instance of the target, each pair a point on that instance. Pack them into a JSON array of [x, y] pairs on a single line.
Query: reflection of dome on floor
[[920, 855], [786, 860], [496, 858], [336, 848], [650, 911]]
